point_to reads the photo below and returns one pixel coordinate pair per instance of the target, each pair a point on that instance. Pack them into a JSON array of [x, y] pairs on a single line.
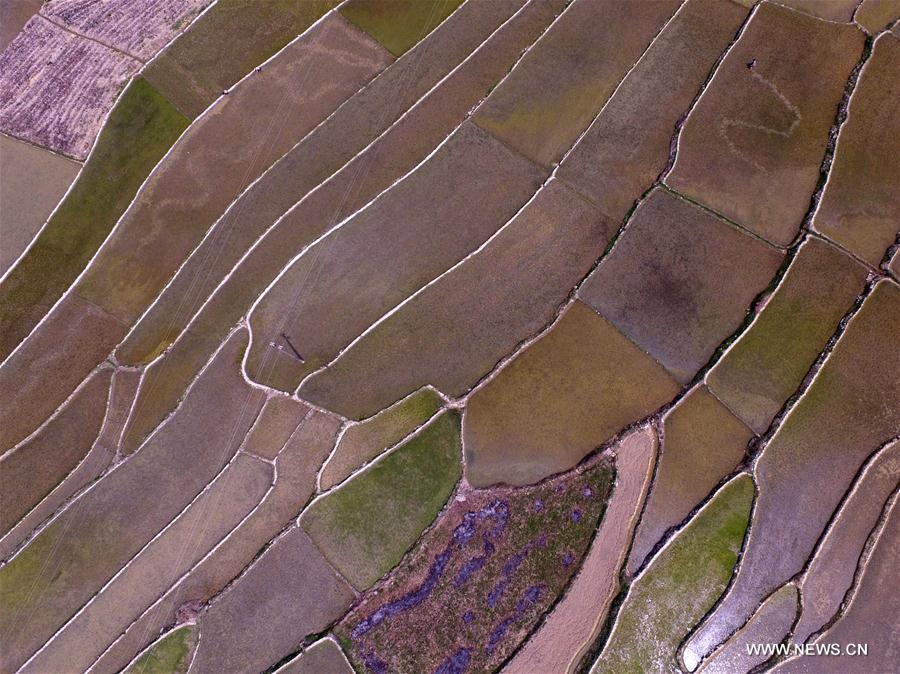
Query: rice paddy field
[[449, 336]]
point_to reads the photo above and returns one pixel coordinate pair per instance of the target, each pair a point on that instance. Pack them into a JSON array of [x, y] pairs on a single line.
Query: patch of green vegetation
[[139, 131], [365, 526], [398, 24], [678, 587], [195, 69], [363, 442], [170, 654]]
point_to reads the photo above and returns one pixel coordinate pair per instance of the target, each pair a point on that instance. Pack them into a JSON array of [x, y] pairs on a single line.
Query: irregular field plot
[[32, 181], [140, 129], [49, 455], [564, 80], [398, 24], [220, 155], [138, 28], [84, 547], [289, 593], [171, 654], [850, 409], [679, 586], [362, 442], [56, 88], [575, 622], [366, 525], [357, 182], [319, 154], [383, 254], [196, 68], [560, 398], [458, 328], [752, 148], [480, 579]]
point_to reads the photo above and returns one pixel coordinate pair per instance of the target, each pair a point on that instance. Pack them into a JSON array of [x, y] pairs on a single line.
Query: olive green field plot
[[170, 654], [559, 399], [140, 129], [362, 442], [368, 523], [398, 24], [679, 585]]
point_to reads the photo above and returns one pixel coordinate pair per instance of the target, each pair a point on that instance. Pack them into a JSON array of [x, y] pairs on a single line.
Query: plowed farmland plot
[[449, 336]]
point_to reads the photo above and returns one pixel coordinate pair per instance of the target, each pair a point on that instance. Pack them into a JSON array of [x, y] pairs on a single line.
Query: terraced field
[[521, 336]]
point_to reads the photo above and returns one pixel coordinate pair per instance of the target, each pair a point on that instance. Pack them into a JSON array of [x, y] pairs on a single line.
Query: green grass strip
[[366, 526], [169, 655], [139, 131], [679, 586]]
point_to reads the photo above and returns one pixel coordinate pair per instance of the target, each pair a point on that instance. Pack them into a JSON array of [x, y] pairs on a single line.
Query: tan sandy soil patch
[[870, 618], [768, 361], [769, 625], [876, 15], [275, 425], [35, 467], [560, 398], [570, 629], [627, 146], [319, 154], [457, 329], [220, 155], [288, 593], [850, 409], [831, 570], [860, 208], [702, 443], [389, 158], [323, 657], [191, 535], [752, 147], [679, 281], [564, 80], [137, 28], [32, 181], [295, 470], [44, 371], [424, 225], [362, 442], [91, 540], [56, 88]]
